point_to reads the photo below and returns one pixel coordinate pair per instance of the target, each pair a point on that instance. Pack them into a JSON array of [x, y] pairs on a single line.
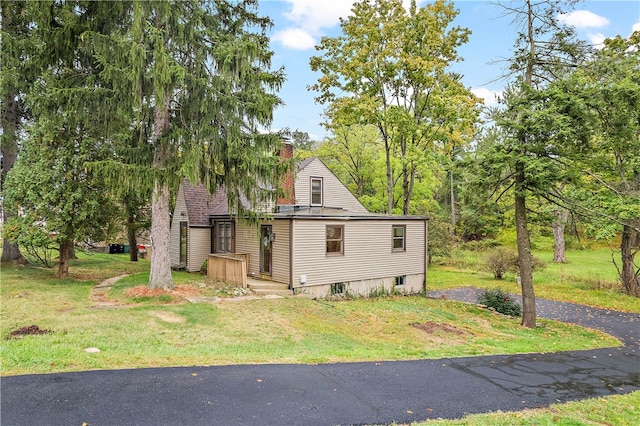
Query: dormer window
[[316, 191]]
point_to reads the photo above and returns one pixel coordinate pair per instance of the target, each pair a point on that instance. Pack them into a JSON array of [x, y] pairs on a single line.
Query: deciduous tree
[[607, 86], [389, 69]]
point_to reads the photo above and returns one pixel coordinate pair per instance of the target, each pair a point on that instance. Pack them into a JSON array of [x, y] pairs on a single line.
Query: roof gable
[[335, 193], [201, 203]]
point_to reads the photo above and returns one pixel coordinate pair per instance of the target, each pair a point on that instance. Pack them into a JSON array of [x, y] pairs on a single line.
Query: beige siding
[[174, 236], [334, 193], [280, 263], [367, 255], [198, 247], [247, 243]]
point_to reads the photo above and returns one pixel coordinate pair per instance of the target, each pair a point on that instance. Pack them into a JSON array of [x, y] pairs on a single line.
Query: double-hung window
[[316, 191], [335, 239], [398, 233], [224, 236]]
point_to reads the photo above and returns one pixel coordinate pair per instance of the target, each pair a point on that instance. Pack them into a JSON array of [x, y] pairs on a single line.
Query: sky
[[300, 24]]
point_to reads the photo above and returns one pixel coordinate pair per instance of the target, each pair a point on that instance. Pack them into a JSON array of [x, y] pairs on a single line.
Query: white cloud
[[310, 19], [490, 96], [636, 27], [313, 15], [583, 19], [295, 38], [597, 40]]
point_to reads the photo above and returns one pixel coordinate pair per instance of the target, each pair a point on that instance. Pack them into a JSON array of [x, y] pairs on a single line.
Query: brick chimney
[[288, 180]]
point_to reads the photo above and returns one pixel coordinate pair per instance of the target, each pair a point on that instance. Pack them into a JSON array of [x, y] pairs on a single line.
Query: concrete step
[[269, 287], [272, 292]]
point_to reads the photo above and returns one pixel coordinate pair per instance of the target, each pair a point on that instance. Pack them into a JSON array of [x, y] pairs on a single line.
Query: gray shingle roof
[[304, 163], [201, 204]]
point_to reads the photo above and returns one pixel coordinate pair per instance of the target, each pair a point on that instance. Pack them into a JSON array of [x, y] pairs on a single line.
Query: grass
[[163, 331], [158, 331], [619, 410], [589, 277], [267, 331]]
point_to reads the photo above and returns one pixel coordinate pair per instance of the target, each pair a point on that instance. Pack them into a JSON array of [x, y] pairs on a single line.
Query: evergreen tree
[[14, 76], [50, 182], [544, 51], [195, 78]]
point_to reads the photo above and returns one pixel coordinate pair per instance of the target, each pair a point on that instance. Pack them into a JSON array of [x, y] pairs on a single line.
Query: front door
[[265, 249]]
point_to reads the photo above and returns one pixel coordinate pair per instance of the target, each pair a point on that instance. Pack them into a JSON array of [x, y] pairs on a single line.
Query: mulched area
[[179, 291]]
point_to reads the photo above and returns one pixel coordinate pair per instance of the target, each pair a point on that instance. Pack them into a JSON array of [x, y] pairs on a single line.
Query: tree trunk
[[11, 252], [63, 265], [629, 276], [524, 254], [522, 233], [558, 226], [160, 273], [133, 241], [453, 206], [387, 149], [9, 144], [405, 187], [72, 252], [407, 172]]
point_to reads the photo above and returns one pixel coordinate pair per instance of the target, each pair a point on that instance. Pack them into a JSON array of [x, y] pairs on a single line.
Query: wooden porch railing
[[230, 268]]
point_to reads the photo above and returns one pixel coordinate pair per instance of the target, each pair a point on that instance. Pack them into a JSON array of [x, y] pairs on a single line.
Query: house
[[320, 240]]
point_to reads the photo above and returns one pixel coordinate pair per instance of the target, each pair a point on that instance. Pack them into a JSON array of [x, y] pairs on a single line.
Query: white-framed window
[[335, 240], [400, 280], [398, 240], [316, 191]]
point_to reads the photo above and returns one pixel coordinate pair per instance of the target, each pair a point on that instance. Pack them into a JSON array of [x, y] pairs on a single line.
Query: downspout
[[426, 253], [291, 255]]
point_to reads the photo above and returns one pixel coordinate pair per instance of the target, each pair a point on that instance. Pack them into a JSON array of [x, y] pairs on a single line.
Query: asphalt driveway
[[335, 394]]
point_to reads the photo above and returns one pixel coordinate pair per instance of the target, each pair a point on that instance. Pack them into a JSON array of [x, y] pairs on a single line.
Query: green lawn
[[168, 331], [619, 410], [589, 277]]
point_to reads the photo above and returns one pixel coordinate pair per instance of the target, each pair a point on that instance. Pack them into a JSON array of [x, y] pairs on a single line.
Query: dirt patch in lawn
[[433, 327], [26, 331], [167, 316]]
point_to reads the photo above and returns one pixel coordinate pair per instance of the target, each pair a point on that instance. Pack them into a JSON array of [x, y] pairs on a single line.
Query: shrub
[[537, 263], [500, 261], [500, 301]]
